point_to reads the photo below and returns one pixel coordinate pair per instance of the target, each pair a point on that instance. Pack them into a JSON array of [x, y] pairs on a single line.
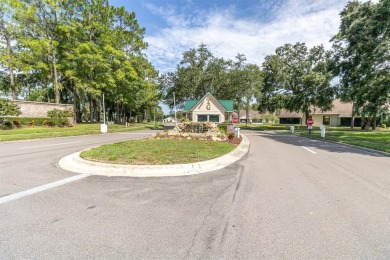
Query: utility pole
[[104, 112], [174, 106], [103, 127]]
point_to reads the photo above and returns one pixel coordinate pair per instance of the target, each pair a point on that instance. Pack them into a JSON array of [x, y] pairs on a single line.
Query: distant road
[[289, 198]]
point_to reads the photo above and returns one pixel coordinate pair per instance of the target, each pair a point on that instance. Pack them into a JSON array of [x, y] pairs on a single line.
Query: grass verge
[[377, 140], [35, 132], [156, 152]]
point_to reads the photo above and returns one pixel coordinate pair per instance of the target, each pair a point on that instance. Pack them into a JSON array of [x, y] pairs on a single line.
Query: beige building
[[339, 115], [209, 109]]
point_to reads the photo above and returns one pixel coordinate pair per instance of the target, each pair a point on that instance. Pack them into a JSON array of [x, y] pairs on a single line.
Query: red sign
[[310, 121], [235, 120]]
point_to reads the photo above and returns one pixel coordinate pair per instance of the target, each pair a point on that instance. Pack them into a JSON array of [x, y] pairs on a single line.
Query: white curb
[[75, 163]]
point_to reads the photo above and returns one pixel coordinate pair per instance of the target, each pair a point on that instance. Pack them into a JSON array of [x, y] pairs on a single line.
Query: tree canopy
[[73, 52], [200, 72], [363, 56], [297, 78]]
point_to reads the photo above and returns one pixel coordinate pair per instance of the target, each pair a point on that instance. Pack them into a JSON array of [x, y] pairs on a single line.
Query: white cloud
[[226, 35]]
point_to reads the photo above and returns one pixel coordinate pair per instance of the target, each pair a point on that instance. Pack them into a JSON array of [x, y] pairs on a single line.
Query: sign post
[[235, 121], [310, 123]]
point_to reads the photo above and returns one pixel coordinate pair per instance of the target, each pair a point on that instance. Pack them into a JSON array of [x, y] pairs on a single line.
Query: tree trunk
[[353, 116], [90, 109], [373, 122], [247, 114], [11, 68], [306, 116], [55, 80], [117, 112], [76, 103]]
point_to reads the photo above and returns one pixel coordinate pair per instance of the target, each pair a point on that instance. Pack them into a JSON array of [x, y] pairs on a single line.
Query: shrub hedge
[[10, 122]]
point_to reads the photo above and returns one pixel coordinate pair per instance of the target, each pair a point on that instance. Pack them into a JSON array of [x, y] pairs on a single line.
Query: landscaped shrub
[[7, 125], [223, 127], [230, 135], [57, 113], [384, 126], [7, 108], [17, 123], [27, 120]]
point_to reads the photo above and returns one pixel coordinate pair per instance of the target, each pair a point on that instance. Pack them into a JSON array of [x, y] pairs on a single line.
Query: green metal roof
[[190, 104], [227, 104]]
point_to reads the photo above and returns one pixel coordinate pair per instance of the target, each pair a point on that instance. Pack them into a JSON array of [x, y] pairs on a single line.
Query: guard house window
[[202, 118], [214, 118], [326, 120]]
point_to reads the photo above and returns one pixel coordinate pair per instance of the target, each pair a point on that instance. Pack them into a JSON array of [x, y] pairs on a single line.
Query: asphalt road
[[289, 198]]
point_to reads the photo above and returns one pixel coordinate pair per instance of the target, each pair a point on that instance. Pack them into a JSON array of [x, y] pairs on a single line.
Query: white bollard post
[[103, 128], [292, 129], [322, 131]]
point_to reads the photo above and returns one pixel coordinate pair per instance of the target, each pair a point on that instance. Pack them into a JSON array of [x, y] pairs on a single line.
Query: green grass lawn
[[265, 127], [79, 129], [377, 140], [155, 152]]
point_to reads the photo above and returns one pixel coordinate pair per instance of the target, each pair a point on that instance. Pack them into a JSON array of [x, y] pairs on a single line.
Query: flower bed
[[204, 131]]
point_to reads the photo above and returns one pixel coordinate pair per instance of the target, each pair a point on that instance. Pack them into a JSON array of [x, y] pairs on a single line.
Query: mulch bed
[[235, 140]]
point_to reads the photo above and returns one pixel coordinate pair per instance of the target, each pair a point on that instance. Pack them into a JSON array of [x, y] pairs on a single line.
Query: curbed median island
[[170, 153], [158, 151]]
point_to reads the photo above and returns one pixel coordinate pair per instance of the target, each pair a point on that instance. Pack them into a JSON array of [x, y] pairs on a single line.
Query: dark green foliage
[[34, 121], [297, 78], [223, 127], [28, 120], [7, 125], [59, 122], [362, 57], [74, 52]]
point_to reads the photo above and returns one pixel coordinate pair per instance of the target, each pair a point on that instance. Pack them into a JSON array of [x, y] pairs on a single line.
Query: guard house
[[209, 109]]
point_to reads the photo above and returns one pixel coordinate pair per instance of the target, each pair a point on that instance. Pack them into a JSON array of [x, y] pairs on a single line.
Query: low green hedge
[[27, 120], [223, 127], [11, 122]]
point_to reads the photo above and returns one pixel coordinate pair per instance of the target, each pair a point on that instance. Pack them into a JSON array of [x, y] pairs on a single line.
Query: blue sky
[[228, 27]]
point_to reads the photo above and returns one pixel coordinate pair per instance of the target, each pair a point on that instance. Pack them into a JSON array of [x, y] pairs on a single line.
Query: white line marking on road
[[35, 190], [135, 133], [308, 149], [47, 145]]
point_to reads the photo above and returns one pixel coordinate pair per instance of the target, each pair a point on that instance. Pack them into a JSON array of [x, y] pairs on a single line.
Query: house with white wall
[[209, 109]]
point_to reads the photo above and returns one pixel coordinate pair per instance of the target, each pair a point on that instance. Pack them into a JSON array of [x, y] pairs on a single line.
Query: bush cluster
[[58, 113], [11, 122]]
